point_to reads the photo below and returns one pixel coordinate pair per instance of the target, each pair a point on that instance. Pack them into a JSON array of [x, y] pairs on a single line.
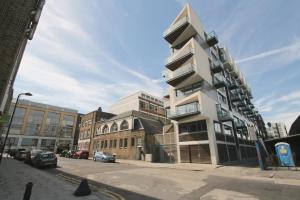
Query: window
[[143, 105], [132, 141], [115, 143], [195, 126], [18, 119], [188, 89], [34, 123], [121, 143], [105, 129], [227, 130], [152, 107], [68, 124], [51, 127], [102, 144], [114, 127], [124, 125], [105, 144], [137, 124], [110, 144], [125, 142], [222, 98]]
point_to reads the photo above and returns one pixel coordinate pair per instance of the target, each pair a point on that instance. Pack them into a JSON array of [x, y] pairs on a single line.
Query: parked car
[[70, 154], [103, 156], [21, 154], [82, 154], [63, 153], [31, 155], [43, 159]]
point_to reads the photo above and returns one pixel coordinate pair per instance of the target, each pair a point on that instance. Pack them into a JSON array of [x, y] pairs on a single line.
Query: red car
[[82, 154]]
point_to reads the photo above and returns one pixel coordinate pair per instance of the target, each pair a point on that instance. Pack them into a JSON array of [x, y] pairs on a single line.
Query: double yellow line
[[94, 188]]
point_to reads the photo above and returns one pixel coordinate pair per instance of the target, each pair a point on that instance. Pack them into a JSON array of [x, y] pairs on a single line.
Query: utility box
[[285, 155], [148, 157]]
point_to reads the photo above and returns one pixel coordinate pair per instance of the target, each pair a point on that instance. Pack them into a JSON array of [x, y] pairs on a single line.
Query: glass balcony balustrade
[[184, 110]]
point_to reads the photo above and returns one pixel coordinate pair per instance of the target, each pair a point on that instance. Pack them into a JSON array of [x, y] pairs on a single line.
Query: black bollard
[[83, 189], [28, 189]]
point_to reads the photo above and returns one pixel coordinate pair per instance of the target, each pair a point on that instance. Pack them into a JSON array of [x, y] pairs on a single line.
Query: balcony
[[176, 59], [223, 115], [176, 29], [240, 125], [232, 84], [184, 110], [216, 66], [167, 103], [235, 71], [212, 39], [241, 104], [175, 77], [235, 98], [219, 81]]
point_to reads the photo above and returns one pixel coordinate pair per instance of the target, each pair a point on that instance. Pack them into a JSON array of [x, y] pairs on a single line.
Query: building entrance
[[199, 153]]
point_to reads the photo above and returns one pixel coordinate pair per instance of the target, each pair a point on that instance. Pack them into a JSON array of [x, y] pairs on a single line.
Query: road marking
[[107, 192]]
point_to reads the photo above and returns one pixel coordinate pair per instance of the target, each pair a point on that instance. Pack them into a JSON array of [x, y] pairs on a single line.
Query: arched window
[[114, 128], [105, 129], [124, 125]]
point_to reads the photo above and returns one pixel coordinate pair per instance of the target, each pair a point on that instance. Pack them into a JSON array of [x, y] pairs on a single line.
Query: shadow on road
[[124, 193]]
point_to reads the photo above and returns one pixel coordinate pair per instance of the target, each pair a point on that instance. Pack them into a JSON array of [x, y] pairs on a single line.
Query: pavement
[[14, 175], [128, 179]]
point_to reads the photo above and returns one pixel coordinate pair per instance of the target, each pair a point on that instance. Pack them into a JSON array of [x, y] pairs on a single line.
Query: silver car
[[103, 156]]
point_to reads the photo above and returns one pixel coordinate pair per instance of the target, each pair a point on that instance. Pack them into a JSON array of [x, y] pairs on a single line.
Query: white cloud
[[53, 67], [291, 53]]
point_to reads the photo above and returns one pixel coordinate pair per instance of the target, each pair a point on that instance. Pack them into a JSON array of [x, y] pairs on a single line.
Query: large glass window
[[193, 131], [121, 143], [124, 125], [144, 105], [29, 142], [125, 143], [48, 144], [217, 127], [17, 121], [114, 128], [68, 125], [34, 122], [51, 127], [188, 89]]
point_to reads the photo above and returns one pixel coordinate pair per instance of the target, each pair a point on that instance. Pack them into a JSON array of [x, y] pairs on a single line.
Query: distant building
[[140, 101], [295, 128], [129, 135], [277, 130], [87, 127], [41, 126], [19, 20]]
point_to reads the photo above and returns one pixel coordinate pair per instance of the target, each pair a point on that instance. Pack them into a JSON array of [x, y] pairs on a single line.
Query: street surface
[[141, 182]]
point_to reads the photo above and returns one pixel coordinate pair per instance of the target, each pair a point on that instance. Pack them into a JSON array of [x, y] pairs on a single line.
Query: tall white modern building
[[209, 100]]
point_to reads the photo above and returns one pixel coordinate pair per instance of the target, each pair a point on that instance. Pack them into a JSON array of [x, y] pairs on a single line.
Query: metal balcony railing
[[219, 81], [184, 110], [170, 75], [212, 39], [176, 26], [187, 51]]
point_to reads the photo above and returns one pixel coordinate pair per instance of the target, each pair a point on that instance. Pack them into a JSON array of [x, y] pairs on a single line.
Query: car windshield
[[47, 156], [107, 154]]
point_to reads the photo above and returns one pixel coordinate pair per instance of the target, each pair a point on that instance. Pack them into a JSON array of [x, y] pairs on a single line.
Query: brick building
[[19, 19], [129, 135], [87, 127]]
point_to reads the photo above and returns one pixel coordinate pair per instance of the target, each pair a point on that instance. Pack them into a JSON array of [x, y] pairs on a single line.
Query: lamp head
[[28, 94]]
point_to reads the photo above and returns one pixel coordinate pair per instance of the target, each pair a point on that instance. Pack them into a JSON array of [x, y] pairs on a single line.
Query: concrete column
[[212, 142], [176, 132]]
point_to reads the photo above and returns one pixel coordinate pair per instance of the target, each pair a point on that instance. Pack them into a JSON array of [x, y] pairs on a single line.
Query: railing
[[173, 57], [169, 75], [219, 80], [223, 114], [183, 110], [175, 26]]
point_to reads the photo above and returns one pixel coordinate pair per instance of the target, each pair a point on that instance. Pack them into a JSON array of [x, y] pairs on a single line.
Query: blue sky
[[87, 54]]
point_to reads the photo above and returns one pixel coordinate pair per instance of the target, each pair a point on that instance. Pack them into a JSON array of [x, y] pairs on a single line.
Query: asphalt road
[[134, 182]]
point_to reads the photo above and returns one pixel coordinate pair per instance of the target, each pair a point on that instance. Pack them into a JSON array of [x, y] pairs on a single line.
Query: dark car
[[103, 156], [21, 154], [31, 155], [82, 154], [44, 159]]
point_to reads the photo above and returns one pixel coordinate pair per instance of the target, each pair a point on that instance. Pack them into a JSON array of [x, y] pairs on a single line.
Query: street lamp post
[[10, 122]]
